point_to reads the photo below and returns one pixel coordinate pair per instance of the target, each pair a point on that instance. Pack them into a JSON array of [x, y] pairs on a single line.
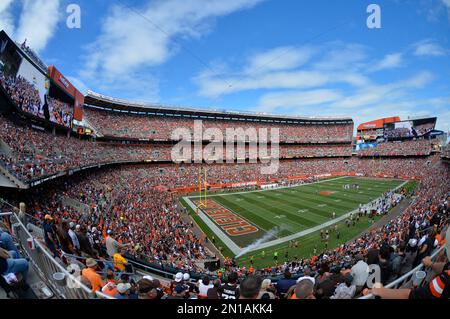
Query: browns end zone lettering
[[231, 223]]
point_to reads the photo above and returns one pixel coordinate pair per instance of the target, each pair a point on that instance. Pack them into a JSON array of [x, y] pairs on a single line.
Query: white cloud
[[287, 68], [281, 58], [292, 100], [390, 61], [6, 18], [428, 48], [374, 94], [213, 87], [37, 22], [342, 56], [130, 40]]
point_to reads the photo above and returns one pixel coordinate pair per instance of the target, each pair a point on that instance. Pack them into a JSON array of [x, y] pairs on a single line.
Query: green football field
[[294, 210]]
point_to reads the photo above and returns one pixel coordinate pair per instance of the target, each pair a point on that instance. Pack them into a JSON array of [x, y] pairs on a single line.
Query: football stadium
[[105, 197]]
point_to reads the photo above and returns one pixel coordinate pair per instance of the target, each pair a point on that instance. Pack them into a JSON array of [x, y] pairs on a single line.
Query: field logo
[[239, 144]]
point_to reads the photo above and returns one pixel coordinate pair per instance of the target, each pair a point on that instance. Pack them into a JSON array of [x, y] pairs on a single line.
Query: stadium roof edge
[[97, 99]]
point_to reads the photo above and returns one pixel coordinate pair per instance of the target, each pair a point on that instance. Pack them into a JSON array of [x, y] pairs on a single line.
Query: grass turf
[[296, 209]]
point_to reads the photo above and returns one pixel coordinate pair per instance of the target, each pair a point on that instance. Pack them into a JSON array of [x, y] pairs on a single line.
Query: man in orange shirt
[[90, 274]]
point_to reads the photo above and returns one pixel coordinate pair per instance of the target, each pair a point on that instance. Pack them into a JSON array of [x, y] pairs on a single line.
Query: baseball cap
[[122, 288], [179, 289], [186, 276], [71, 225], [90, 262], [148, 277], [412, 242], [178, 277]]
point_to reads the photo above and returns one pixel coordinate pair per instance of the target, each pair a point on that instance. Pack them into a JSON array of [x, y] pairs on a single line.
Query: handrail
[[403, 278], [45, 263]]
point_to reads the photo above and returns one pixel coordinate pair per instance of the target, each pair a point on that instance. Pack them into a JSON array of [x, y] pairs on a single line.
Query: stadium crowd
[[161, 128], [23, 94], [41, 153], [60, 112], [143, 221], [405, 148]]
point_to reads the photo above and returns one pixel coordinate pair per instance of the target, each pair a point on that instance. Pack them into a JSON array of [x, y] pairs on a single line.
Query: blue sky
[[299, 57]]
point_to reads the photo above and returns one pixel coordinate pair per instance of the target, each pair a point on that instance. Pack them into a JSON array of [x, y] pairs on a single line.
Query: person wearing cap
[[190, 286], [90, 273], [438, 288], [123, 290], [50, 234], [179, 292]]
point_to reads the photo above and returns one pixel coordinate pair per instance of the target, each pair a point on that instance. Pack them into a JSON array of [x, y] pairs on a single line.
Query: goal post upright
[[202, 187]]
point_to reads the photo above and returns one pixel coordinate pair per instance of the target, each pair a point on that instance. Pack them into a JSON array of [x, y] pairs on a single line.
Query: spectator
[[11, 263], [203, 286], [360, 273], [345, 290], [250, 287], [304, 290], [123, 290], [267, 290], [214, 292], [230, 289], [90, 273], [284, 284]]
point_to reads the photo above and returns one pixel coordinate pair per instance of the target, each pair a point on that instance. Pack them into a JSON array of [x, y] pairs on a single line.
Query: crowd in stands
[[123, 204], [404, 148], [129, 215], [423, 129], [60, 112], [40, 153], [23, 94], [161, 128]]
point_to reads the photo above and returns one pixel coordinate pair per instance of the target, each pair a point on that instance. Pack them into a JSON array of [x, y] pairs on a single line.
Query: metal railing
[[46, 266], [406, 279]]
